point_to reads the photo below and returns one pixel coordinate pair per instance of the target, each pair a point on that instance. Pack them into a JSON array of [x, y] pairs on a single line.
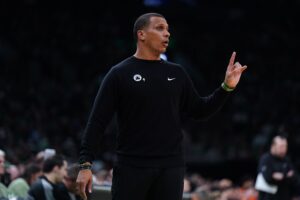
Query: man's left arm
[[199, 107], [290, 172]]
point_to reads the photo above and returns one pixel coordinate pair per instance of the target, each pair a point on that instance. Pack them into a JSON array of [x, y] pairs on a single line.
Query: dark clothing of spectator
[[42, 189], [267, 166], [62, 193]]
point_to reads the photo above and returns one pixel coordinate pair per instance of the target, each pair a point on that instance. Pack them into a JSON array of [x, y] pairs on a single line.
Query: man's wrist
[[226, 87], [85, 165]]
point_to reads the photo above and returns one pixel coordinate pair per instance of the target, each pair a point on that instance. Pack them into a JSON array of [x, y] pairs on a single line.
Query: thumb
[[240, 69], [244, 67]]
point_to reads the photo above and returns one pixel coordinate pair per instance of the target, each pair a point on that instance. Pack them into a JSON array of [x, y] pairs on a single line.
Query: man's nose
[[167, 33]]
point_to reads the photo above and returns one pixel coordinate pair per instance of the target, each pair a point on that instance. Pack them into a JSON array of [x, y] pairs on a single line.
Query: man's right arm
[[102, 112]]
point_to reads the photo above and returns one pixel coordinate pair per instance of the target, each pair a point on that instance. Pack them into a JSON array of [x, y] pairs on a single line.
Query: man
[[54, 169], [150, 96], [3, 189], [278, 171]]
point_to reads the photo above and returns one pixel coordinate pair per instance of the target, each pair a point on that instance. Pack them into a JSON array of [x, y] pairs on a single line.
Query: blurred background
[[54, 54]]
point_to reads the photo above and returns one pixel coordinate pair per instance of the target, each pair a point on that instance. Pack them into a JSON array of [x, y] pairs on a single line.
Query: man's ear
[[56, 168], [141, 35]]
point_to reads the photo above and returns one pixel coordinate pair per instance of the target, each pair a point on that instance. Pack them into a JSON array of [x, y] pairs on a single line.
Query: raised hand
[[233, 72]]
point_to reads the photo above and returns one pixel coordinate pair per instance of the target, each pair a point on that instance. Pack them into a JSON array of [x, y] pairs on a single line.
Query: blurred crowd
[[25, 181], [54, 56]]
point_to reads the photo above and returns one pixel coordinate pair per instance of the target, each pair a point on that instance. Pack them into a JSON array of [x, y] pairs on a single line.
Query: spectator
[[54, 169], [278, 172], [247, 189], [13, 172], [3, 189], [20, 186]]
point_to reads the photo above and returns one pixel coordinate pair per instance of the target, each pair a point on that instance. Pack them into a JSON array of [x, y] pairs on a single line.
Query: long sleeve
[[265, 167], [151, 99], [101, 114], [269, 165], [290, 167], [198, 107]]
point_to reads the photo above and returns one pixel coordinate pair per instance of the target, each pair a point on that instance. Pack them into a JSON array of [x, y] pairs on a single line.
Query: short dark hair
[[30, 170], [143, 21], [51, 162]]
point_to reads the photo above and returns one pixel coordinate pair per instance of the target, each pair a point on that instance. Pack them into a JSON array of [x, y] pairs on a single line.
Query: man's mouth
[[166, 43]]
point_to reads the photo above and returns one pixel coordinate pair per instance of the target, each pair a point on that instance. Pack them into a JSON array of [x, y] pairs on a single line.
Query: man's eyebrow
[[162, 24]]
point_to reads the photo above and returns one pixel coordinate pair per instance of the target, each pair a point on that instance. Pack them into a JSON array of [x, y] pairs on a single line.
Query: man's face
[[156, 35], [61, 172], [279, 147], [2, 160]]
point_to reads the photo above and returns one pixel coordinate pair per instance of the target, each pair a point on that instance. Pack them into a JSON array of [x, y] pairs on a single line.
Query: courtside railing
[[103, 193]]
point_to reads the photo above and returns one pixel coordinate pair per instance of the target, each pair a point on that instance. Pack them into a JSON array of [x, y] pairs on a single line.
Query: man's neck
[[51, 178], [146, 54]]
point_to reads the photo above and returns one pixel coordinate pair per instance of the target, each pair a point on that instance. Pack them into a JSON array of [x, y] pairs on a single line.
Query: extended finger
[[231, 61]]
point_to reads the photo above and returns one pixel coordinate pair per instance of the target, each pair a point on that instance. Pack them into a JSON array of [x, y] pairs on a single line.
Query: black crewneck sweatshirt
[[150, 98]]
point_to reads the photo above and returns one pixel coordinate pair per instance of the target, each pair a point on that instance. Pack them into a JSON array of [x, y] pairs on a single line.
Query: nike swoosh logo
[[171, 79]]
